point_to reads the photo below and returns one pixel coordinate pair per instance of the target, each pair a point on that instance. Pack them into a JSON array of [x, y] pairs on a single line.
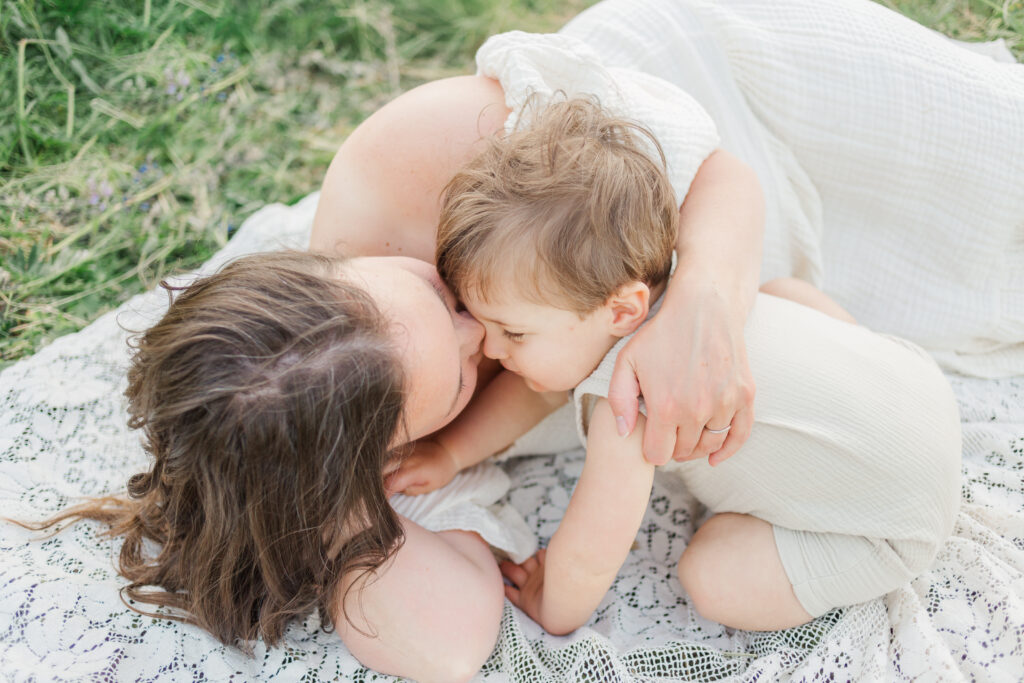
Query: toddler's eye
[[513, 336]]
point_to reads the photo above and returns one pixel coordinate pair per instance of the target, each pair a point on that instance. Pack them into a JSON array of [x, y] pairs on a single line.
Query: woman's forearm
[[503, 411], [721, 230]]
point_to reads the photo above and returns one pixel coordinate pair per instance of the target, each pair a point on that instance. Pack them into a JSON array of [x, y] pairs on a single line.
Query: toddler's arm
[[562, 586], [504, 410]]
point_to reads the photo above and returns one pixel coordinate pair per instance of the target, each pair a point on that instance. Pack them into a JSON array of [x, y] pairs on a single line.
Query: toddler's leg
[[733, 574], [807, 294], [746, 573]]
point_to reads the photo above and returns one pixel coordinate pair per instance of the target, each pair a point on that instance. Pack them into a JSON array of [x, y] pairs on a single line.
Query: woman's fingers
[[393, 484], [392, 466], [419, 489], [531, 563], [688, 437], [710, 441], [624, 398], [402, 481], [662, 437], [742, 424]]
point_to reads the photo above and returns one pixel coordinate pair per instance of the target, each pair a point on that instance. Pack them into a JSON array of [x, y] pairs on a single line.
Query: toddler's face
[[553, 349]]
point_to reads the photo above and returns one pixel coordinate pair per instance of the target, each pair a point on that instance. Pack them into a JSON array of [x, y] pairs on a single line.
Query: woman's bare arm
[[431, 613], [381, 194], [499, 414]]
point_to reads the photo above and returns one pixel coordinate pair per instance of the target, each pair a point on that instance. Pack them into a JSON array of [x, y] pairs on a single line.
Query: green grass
[[135, 136]]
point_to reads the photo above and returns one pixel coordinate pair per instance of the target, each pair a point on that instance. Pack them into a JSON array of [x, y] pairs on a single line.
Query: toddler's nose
[[494, 348]]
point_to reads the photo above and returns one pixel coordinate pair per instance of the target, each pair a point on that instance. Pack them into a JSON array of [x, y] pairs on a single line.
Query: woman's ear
[[627, 308]]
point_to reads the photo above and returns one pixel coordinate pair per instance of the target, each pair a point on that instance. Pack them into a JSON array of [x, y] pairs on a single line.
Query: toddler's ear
[[627, 308]]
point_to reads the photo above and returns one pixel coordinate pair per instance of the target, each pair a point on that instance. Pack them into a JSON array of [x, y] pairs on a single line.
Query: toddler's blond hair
[[565, 212]]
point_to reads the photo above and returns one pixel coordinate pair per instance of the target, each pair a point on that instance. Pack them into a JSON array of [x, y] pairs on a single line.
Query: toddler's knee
[[780, 286], [697, 571], [689, 571]]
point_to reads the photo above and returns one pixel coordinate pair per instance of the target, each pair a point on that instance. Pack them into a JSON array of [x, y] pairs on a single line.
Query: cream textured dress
[[892, 159], [854, 457]]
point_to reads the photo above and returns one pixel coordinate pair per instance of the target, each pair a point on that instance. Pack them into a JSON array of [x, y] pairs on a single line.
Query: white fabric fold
[[892, 159]]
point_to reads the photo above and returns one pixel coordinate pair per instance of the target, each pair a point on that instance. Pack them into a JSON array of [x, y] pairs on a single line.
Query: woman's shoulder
[[393, 166], [463, 108]]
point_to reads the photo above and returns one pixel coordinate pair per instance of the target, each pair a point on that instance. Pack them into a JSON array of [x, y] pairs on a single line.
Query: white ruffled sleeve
[[542, 65]]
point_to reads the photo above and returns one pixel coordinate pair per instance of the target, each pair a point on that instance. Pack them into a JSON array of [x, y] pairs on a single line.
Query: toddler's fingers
[[531, 563], [512, 593], [514, 573]]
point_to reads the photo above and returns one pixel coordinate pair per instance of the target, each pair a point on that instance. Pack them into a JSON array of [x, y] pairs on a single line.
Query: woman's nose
[[471, 332]]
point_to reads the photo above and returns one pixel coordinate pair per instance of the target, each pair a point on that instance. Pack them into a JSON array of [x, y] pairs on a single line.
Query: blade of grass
[[22, 126]]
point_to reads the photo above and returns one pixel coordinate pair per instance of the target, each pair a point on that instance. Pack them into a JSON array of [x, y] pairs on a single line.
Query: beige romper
[[854, 457]]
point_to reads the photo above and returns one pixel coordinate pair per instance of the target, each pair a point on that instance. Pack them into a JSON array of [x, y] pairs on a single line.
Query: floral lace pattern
[[63, 435]]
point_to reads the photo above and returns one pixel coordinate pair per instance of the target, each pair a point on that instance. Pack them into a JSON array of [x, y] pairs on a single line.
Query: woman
[[271, 397], [381, 196], [876, 142]]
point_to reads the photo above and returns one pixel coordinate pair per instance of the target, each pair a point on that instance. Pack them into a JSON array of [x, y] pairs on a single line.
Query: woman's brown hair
[[267, 396]]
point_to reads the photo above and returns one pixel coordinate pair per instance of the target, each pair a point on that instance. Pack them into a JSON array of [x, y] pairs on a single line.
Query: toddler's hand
[[527, 589], [430, 467]]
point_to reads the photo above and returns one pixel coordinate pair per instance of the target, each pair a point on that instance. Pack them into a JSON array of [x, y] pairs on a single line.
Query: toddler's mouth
[[529, 382]]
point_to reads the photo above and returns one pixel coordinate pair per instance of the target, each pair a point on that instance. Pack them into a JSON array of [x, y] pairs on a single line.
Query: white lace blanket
[[63, 434]]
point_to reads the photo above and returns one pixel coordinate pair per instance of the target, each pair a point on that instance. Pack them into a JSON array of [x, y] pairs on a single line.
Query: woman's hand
[[690, 364], [690, 361], [430, 467], [527, 589]]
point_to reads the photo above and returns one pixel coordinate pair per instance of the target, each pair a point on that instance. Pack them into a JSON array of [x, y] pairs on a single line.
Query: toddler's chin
[[533, 385], [543, 388]]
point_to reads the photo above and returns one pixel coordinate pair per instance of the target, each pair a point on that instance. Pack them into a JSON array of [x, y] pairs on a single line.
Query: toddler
[[559, 240]]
